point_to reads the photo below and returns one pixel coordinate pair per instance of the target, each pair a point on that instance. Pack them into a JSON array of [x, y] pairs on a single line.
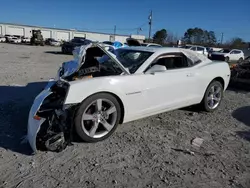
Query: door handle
[[190, 74]]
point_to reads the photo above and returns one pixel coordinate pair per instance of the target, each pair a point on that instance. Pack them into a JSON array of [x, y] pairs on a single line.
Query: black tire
[[204, 104], [227, 59], [240, 60], [82, 108]]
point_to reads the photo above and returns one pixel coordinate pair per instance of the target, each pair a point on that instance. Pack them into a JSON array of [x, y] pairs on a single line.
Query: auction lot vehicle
[[15, 40], [200, 50], [68, 47], [37, 38], [151, 45], [8, 37], [2, 39], [240, 72], [52, 42], [25, 40], [100, 89], [227, 55]]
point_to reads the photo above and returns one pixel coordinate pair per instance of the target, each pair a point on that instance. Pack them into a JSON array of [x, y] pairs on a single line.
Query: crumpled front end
[[49, 122]]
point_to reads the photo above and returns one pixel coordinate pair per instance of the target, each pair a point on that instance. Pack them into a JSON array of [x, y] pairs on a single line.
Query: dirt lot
[[139, 154]]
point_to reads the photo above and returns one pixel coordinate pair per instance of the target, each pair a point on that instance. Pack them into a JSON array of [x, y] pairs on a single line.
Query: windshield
[[225, 51], [132, 59]]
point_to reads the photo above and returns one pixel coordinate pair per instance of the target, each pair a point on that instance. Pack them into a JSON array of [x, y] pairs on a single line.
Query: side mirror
[[156, 68]]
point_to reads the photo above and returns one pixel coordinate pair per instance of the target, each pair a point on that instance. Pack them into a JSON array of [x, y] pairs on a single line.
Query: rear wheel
[[213, 96], [98, 117]]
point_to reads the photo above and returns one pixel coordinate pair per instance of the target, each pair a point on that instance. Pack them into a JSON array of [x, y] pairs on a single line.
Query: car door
[[174, 88], [233, 55], [238, 54]]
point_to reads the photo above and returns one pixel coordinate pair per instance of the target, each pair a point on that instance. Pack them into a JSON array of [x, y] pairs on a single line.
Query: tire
[[88, 106], [227, 59], [240, 60], [207, 105], [63, 50]]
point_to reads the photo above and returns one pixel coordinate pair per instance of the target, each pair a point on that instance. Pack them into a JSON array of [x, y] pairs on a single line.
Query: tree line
[[197, 36]]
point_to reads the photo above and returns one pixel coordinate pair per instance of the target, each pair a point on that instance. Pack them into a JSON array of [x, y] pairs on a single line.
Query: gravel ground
[[151, 152]]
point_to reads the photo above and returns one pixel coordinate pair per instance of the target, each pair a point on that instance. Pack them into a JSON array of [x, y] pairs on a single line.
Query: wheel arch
[[118, 99], [219, 79]]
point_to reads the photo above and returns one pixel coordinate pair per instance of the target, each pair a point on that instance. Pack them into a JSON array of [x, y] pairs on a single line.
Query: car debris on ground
[[197, 142]]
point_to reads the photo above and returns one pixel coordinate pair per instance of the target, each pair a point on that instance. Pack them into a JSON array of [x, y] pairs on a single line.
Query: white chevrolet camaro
[[102, 88]]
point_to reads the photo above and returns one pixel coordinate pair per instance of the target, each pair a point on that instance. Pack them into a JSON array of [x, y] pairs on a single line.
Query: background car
[[68, 47], [2, 39], [200, 50], [25, 39], [108, 42], [52, 42], [8, 37], [15, 40], [227, 55], [151, 45]]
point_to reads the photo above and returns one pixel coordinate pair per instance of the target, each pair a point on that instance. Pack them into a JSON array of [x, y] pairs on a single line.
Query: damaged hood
[[79, 54]]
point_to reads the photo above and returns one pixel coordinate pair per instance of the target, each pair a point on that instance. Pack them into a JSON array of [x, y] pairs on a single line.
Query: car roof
[[153, 49], [163, 50]]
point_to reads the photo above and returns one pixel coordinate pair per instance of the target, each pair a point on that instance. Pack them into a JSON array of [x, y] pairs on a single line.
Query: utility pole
[[150, 24], [221, 38], [138, 30], [114, 32]]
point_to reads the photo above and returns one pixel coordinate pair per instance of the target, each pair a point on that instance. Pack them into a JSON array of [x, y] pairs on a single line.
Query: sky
[[232, 18]]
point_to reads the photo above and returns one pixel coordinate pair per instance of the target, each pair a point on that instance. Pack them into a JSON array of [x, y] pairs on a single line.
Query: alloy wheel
[[214, 97], [99, 118]]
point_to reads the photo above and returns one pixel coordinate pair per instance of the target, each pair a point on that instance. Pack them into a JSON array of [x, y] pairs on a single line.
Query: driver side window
[[172, 62]]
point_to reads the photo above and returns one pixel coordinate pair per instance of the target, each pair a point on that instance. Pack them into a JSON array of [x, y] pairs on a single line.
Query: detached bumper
[[34, 124]]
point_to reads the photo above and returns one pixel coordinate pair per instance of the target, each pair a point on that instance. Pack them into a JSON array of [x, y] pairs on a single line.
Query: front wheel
[[213, 96], [227, 59], [98, 117], [240, 60]]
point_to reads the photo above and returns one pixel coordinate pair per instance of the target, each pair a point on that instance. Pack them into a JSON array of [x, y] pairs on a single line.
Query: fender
[[80, 89]]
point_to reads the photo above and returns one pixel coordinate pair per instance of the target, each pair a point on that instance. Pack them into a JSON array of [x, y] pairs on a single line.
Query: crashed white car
[[100, 89]]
